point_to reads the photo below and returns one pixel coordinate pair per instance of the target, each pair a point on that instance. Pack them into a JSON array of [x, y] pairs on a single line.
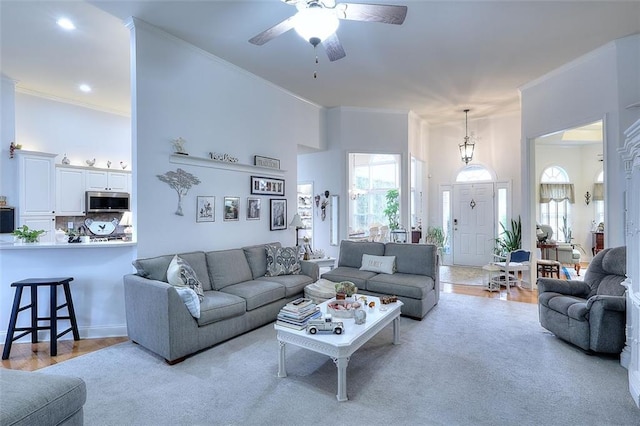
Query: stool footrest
[[64, 332]]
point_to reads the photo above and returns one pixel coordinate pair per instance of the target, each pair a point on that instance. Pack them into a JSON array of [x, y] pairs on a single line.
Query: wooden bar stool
[[53, 318]]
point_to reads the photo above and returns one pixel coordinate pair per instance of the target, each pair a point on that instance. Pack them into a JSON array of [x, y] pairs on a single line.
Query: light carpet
[[466, 275], [471, 361]]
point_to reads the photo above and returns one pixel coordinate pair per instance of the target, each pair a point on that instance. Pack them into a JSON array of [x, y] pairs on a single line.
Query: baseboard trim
[[634, 386], [85, 333]]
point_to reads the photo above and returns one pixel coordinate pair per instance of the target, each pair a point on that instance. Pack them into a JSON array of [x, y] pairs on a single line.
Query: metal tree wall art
[[181, 181]]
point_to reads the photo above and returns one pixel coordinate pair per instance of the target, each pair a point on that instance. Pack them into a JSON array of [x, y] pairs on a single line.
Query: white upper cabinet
[[36, 183], [70, 189], [102, 180]]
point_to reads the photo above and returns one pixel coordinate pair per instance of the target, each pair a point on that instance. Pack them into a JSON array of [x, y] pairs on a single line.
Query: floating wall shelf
[[215, 164]]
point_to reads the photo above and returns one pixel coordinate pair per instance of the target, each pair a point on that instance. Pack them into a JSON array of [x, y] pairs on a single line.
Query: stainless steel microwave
[[105, 202]]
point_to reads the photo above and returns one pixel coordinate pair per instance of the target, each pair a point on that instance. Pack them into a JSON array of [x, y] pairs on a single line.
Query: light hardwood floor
[[30, 357]]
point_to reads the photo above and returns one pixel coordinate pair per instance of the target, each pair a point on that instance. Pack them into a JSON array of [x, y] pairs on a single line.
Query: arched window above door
[[474, 173]]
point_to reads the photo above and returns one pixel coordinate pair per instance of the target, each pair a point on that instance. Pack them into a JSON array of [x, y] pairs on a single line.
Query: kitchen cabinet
[[70, 190], [103, 180], [36, 183]]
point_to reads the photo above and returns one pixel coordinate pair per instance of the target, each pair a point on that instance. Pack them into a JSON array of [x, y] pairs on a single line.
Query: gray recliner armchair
[[589, 314]]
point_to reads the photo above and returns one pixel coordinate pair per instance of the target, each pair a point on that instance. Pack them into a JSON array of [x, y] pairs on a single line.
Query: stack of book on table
[[297, 313]]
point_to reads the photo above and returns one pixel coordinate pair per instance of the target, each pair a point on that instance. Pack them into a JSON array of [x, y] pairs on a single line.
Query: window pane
[[446, 220]]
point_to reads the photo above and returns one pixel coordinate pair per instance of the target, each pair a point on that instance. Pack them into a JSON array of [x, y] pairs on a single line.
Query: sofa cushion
[[256, 293], [181, 274], [30, 398], [380, 264], [293, 284], [227, 267], [399, 284], [571, 306], [351, 252], [257, 258], [282, 261], [344, 273], [152, 267], [413, 258], [218, 306]]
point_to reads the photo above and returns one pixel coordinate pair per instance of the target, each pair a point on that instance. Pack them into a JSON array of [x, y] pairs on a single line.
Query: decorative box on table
[[343, 308]]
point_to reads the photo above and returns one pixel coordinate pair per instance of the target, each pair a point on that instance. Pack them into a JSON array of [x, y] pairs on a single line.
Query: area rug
[[466, 275], [470, 361]]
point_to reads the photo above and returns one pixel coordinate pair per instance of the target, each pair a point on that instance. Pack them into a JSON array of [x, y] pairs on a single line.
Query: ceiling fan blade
[[333, 47], [273, 32], [388, 14]]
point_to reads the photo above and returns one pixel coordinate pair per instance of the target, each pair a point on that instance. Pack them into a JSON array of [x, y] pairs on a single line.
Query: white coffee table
[[341, 347]]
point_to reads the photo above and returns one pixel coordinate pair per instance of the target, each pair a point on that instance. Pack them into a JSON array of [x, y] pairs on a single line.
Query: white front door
[[473, 223]]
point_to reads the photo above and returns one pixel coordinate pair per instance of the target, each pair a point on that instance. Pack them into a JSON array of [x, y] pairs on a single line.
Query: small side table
[[491, 281], [53, 318], [328, 262]]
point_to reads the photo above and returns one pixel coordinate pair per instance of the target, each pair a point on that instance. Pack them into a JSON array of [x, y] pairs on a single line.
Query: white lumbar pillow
[[380, 264]]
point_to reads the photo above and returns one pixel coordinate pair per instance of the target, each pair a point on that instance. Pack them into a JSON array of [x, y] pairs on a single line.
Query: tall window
[[556, 194], [598, 198], [371, 176]]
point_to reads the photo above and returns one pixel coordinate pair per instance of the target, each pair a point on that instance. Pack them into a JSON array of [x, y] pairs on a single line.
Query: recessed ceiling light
[[85, 88], [66, 24]]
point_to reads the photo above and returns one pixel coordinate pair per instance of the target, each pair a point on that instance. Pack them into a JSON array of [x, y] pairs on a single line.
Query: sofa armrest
[[570, 288], [610, 303], [156, 316], [310, 268]]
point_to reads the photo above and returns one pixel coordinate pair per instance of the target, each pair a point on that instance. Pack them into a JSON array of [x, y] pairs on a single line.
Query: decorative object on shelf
[[296, 222], [385, 300], [178, 146], [108, 164], [277, 218], [343, 308], [181, 182], [90, 163], [27, 235], [231, 208], [467, 147], [205, 208], [123, 165], [587, 198], [3, 200], [253, 208], [271, 163], [323, 203], [101, 227], [225, 158], [65, 160], [267, 186]]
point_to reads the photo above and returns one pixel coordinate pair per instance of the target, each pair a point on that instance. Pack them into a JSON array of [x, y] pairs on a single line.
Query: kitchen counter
[[34, 246]]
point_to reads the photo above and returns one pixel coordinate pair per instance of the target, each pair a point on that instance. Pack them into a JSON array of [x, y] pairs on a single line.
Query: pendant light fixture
[[467, 147]]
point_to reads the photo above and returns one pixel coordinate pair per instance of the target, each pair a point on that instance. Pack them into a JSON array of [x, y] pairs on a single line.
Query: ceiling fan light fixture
[[316, 22]]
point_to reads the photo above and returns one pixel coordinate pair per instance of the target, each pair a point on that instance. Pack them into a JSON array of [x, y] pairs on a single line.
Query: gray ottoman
[[34, 399]]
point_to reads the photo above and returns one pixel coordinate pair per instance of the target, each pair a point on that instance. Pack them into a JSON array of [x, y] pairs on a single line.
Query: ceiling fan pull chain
[[315, 50]]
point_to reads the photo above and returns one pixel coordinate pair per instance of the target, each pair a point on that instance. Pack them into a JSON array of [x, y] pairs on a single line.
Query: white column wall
[[182, 91]]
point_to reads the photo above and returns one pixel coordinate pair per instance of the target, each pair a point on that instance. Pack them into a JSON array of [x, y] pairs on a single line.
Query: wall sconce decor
[[587, 198], [323, 202]]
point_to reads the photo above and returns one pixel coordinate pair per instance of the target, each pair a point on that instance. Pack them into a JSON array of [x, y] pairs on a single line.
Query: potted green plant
[[28, 235], [345, 289], [437, 237], [393, 208], [510, 239]]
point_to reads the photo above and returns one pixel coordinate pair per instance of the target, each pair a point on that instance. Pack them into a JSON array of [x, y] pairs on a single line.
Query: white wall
[[596, 86], [8, 169], [182, 91]]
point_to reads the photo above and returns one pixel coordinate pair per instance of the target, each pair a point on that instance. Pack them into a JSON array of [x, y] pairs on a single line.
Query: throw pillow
[[181, 274], [190, 299], [282, 261], [380, 264]]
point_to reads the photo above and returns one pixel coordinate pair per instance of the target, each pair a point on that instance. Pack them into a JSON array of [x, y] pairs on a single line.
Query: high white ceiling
[[447, 56]]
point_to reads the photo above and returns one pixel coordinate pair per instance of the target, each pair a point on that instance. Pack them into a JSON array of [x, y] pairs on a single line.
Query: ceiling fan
[[318, 20]]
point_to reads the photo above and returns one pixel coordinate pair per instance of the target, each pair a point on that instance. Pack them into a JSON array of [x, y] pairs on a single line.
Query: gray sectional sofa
[[416, 280], [238, 297]]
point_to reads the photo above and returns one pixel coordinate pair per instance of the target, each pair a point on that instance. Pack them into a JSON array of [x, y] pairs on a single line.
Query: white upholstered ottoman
[[320, 291]]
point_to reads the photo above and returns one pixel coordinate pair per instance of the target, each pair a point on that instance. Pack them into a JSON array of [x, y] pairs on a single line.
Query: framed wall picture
[[267, 186], [278, 217], [253, 208], [231, 208], [205, 209]]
